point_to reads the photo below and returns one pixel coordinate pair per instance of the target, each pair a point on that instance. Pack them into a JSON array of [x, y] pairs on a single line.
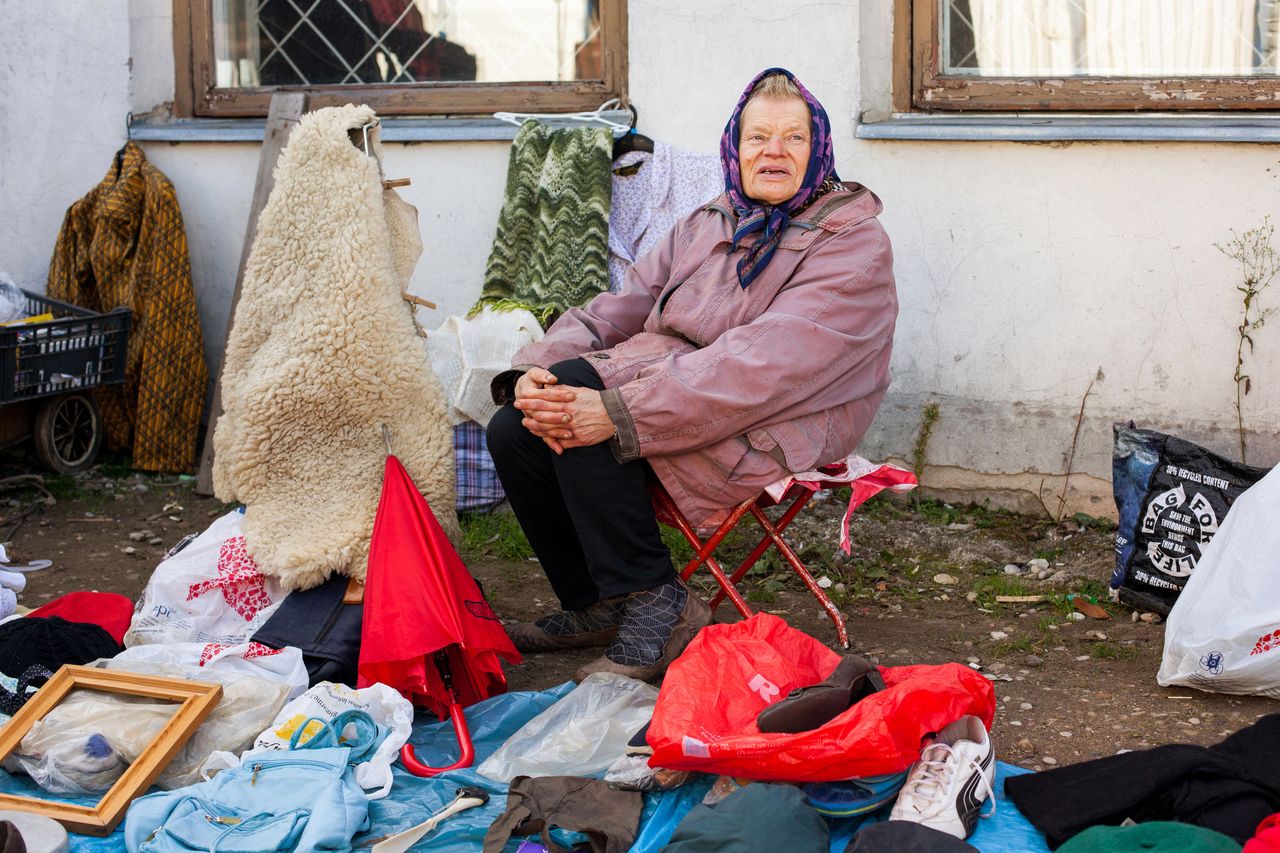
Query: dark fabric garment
[[110, 610], [772, 220], [608, 817], [758, 818], [124, 244], [11, 701], [588, 517], [1228, 787], [1160, 836], [52, 642], [903, 836], [328, 631]]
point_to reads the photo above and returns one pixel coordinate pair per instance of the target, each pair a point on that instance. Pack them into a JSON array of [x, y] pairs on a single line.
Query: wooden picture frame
[[196, 700]]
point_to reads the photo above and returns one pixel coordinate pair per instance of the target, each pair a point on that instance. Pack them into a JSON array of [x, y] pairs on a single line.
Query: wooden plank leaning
[[286, 109]]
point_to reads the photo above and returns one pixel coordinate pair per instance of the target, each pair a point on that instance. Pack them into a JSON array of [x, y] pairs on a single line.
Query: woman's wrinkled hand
[[562, 417]]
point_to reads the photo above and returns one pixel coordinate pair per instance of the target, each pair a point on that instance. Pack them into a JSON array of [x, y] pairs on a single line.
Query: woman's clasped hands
[[562, 416]]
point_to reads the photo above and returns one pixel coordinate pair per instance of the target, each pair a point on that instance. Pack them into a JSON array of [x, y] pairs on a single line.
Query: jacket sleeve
[[610, 318], [822, 342]]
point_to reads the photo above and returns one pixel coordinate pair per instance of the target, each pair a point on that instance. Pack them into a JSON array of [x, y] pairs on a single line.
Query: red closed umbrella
[[428, 631]]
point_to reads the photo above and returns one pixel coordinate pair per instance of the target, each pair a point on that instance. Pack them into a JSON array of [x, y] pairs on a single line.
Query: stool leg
[[727, 588], [819, 593], [702, 551], [797, 504]]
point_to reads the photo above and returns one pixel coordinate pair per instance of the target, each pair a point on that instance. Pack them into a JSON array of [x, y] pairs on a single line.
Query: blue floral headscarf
[[772, 220]]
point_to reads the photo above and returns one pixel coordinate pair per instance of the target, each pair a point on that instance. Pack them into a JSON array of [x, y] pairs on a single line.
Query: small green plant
[[493, 534], [1111, 651], [920, 450], [1259, 265], [1091, 522]]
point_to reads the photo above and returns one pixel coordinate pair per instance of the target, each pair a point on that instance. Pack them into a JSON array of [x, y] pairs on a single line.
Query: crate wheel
[[68, 433]]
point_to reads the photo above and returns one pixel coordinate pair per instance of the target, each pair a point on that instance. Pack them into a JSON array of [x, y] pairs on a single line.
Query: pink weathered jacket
[[725, 390]]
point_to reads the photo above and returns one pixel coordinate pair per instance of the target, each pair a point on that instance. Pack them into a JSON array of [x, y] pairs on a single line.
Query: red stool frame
[[668, 513]]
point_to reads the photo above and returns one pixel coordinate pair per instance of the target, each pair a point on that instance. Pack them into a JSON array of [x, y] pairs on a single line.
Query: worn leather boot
[[596, 625], [693, 618], [807, 708]]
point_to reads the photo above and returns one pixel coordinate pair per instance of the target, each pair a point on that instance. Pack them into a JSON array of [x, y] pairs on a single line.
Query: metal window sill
[[394, 130], [1040, 127]]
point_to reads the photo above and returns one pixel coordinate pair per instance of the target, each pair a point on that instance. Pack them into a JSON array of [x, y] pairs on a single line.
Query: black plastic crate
[[76, 349]]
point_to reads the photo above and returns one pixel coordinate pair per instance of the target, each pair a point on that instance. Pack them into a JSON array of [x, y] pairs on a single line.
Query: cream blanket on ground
[[322, 352]]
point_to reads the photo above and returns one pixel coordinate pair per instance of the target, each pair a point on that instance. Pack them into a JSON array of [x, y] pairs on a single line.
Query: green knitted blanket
[[551, 252]]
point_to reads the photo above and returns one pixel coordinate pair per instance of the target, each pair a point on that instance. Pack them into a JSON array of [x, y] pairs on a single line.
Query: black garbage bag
[[1171, 496]]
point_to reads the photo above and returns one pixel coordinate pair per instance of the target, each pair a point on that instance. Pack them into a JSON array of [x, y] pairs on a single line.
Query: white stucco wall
[[64, 83], [1023, 269]]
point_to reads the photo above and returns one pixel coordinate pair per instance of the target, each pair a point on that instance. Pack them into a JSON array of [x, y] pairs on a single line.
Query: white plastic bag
[[1223, 634], [327, 700], [87, 742], [467, 352], [580, 735], [13, 302], [248, 702], [282, 666], [209, 592]]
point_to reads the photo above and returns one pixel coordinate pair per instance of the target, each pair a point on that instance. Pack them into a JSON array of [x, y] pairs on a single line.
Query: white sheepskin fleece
[[322, 352]]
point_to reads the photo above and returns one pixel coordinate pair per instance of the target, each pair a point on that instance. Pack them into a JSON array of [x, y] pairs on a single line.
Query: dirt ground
[[920, 587]]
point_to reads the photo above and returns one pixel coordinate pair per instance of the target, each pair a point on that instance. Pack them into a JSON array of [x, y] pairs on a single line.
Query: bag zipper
[[329, 623]]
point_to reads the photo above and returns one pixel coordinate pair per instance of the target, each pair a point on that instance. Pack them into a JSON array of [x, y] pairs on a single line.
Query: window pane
[[349, 42], [1109, 38]]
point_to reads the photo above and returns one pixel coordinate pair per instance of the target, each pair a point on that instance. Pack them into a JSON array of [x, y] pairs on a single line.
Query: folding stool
[[865, 479]]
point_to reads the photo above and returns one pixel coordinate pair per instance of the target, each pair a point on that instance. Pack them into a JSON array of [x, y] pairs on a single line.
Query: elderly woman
[[754, 342]]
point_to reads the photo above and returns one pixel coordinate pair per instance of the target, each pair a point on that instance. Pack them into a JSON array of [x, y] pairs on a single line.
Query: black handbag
[[327, 629]]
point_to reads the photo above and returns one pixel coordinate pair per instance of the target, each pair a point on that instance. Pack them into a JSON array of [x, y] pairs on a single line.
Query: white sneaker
[[946, 788]]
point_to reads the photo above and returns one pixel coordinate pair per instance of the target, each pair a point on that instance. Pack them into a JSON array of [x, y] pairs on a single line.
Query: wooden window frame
[[196, 701], [197, 95], [918, 85]]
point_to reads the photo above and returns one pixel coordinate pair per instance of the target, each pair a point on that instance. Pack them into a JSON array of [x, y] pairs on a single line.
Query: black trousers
[[587, 516]]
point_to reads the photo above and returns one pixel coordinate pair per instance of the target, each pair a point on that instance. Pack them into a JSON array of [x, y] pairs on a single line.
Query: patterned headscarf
[[772, 220]]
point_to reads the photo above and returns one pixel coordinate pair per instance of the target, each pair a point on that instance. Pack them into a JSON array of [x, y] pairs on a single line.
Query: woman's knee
[[505, 430], [576, 372]]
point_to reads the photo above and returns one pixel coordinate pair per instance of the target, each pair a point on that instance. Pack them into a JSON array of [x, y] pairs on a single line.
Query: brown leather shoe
[[528, 637], [695, 616], [808, 708]]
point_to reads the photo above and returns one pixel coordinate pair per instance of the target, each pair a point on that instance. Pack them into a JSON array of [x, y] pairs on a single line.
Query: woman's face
[[773, 150]]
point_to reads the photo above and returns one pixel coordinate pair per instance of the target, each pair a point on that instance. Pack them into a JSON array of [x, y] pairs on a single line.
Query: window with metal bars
[[401, 56], [1086, 55]]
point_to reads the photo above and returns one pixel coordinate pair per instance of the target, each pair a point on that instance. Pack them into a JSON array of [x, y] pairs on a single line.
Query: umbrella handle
[[410, 759]]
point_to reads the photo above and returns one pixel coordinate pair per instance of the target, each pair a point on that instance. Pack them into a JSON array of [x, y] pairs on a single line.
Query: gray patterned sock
[[595, 617], [647, 623]]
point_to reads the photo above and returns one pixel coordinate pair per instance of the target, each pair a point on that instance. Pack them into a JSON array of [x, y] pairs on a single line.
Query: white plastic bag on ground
[[209, 592], [87, 742], [327, 700], [248, 702], [282, 666], [1223, 634], [580, 735]]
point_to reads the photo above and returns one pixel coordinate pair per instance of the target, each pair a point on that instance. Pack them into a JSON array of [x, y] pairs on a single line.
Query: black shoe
[[807, 708]]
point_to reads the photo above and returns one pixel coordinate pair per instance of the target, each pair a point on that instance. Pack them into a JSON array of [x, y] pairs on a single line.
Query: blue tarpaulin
[[413, 800]]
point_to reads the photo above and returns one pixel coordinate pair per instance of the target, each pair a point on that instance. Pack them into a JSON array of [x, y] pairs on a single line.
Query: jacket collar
[[832, 212]]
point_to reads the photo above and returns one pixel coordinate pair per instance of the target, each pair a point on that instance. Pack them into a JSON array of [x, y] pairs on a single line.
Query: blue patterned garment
[[477, 479]]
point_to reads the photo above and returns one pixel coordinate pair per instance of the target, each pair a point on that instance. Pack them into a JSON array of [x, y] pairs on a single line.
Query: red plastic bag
[[705, 719]]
